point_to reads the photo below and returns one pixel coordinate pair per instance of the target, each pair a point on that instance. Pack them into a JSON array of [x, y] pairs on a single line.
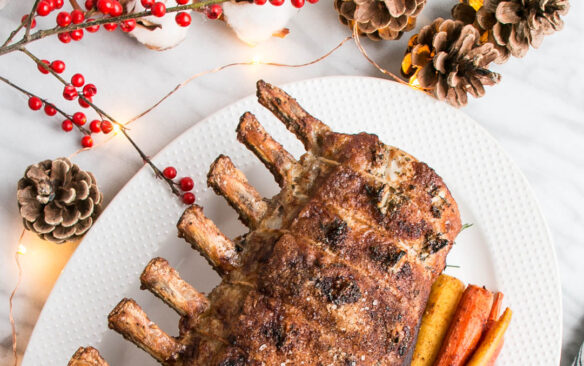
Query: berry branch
[[155, 11], [79, 119], [35, 103]]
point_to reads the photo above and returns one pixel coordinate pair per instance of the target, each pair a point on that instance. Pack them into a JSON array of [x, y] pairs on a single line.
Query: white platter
[[508, 249]]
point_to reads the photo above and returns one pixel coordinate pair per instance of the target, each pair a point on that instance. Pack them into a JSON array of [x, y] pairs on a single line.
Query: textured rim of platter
[[508, 248]]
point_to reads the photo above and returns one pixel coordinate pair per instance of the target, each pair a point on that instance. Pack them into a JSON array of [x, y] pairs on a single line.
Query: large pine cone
[[57, 200], [447, 59], [514, 25], [380, 19]]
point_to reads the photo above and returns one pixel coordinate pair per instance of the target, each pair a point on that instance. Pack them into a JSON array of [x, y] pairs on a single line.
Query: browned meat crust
[[336, 269]]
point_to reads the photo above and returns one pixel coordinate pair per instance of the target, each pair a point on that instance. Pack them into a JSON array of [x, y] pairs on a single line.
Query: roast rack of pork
[[336, 269]]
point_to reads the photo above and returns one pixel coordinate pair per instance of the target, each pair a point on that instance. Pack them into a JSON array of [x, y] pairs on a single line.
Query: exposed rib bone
[[131, 321], [303, 125], [165, 282], [253, 135], [229, 182], [87, 356], [204, 236]]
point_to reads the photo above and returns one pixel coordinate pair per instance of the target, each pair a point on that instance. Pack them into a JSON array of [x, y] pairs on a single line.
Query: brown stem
[[29, 19], [75, 5], [11, 36], [123, 128], [48, 32], [30, 94]]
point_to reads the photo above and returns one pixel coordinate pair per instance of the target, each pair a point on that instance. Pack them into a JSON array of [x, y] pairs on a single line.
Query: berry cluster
[[295, 3], [186, 184], [71, 91]]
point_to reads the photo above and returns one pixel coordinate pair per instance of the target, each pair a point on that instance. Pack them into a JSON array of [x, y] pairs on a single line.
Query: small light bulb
[[21, 249], [116, 129], [256, 59]]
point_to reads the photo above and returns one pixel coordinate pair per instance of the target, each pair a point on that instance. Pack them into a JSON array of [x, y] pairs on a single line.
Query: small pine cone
[[57, 200], [514, 25], [447, 59], [380, 19]]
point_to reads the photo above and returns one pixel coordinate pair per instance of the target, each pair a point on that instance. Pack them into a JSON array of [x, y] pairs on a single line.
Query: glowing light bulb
[[21, 249], [414, 83], [256, 59], [116, 129]]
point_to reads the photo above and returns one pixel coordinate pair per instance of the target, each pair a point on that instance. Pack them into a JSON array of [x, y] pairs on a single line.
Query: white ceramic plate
[[508, 249]]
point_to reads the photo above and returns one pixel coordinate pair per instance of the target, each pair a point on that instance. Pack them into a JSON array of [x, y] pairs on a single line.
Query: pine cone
[[447, 59], [514, 25], [57, 200], [380, 19]]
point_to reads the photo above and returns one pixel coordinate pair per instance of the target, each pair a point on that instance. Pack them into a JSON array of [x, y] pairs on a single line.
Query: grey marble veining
[[536, 113]]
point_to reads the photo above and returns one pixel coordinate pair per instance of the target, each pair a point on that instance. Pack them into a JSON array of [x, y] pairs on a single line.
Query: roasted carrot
[[467, 327], [495, 310], [444, 297], [490, 346]]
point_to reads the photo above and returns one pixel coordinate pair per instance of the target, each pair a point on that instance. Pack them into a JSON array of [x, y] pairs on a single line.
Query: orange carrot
[[467, 327], [495, 310], [493, 316], [490, 346]]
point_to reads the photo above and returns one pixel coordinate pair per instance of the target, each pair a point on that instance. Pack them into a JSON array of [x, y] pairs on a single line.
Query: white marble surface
[[537, 113]]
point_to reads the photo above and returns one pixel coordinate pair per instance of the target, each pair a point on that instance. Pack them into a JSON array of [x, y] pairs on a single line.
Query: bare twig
[[29, 19]]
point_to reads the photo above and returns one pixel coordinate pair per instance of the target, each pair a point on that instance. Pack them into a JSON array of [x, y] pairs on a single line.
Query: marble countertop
[[536, 113]]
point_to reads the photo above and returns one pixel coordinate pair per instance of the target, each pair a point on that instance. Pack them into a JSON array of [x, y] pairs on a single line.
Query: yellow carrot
[[490, 345], [444, 296]]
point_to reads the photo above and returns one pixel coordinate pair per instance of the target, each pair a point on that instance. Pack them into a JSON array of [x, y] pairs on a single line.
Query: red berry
[[117, 9], [92, 28], [214, 11], [188, 198], [105, 6], [79, 118], [58, 4], [86, 141], [182, 2], [24, 20], [94, 126], [89, 4], [50, 110], [63, 19], [297, 3], [44, 8], [58, 66], [44, 69], [83, 103], [77, 80], [260, 2], [158, 9], [77, 16], [89, 90], [35, 103], [69, 92], [76, 34], [128, 25], [183, 19], [186, 183], [64, 37], [276, 2], [106, 127], [67, 125], [169, 172], [147, 3], [312, 1], [110, 27]]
